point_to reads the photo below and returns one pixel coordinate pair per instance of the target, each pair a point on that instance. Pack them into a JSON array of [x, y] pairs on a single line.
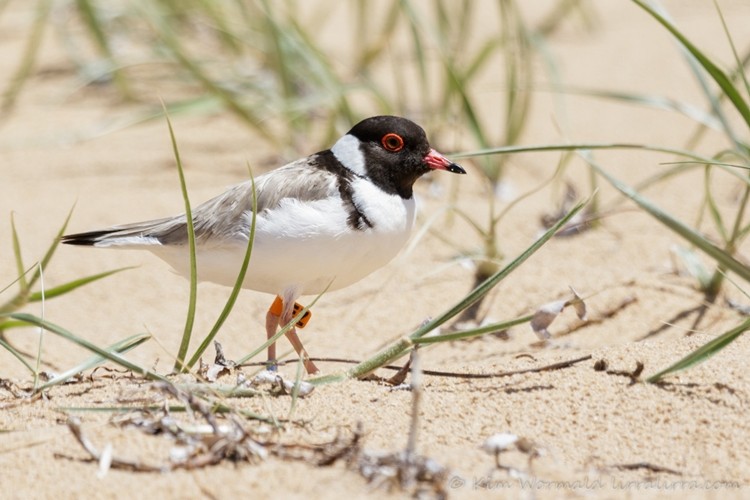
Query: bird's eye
[[392, 142]]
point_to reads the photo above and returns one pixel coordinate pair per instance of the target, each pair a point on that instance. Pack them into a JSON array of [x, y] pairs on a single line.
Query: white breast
[[309, 245]]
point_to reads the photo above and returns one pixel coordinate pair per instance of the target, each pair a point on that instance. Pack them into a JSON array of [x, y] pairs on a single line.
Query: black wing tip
[[89, 238], [79, 242]]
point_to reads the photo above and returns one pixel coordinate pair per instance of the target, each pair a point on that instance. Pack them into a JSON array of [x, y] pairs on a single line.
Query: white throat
[[346, 150]]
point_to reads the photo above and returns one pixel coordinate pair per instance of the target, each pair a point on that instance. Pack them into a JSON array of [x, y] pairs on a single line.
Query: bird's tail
[[132, 235], [89, 238]]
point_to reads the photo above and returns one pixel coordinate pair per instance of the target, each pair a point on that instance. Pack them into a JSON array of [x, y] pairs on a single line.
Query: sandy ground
[[597, 432]]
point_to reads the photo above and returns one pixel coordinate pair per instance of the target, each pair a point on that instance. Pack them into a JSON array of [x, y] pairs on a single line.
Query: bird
[[323, 222]]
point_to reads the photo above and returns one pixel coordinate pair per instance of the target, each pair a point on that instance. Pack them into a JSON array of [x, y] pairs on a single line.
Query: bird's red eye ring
[[392, 142]]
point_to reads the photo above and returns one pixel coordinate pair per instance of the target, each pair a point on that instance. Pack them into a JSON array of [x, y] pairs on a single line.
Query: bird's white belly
[[307, 245]]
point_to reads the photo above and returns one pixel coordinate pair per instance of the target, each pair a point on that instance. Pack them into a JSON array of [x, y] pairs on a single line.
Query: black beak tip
[[455, 168]]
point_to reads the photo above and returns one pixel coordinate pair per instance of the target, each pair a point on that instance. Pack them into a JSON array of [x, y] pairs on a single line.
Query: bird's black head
[[396, 153]]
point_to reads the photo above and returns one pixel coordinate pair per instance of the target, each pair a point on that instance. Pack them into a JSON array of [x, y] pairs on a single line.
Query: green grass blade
[[62, 332], [51, 250], [704, 352], [691, 235], [540, 148], [484, 288], [713, 209], [19, 300], [120, 347], [72, 285], [7, 306], [402, 347], [296, 388], [647, 100], [41, 332], [237, 285], [713, 163], [714, 98], [7, 324], [473, 332], [721, 78], [14, 351], [384, 357], [737, 58], [20, 268], [179, 364]]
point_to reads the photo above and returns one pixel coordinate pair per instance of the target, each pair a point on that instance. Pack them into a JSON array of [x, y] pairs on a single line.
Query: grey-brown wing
[[225, 216]]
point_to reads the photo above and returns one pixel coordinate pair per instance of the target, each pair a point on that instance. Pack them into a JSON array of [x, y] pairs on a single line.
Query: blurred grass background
[[470, 71], [270, 62]]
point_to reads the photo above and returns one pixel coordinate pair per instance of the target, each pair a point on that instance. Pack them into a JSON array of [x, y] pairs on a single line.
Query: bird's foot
[[272, 365], [310, 367]]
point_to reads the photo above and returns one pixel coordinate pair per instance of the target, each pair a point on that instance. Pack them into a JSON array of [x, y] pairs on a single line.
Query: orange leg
[[272, 323], [274, 317]]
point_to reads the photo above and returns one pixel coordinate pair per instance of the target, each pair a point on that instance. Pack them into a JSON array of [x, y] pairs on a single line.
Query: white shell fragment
[[105, 461], [578, 304], [499, 442], [273, 378], [546, 314], [215, 371]]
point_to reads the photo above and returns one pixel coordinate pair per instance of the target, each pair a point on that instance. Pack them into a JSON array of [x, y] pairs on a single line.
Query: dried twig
[[439, 373], [14, 389], [633, 375], [647, 466], [547, 368], [74, 425]]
